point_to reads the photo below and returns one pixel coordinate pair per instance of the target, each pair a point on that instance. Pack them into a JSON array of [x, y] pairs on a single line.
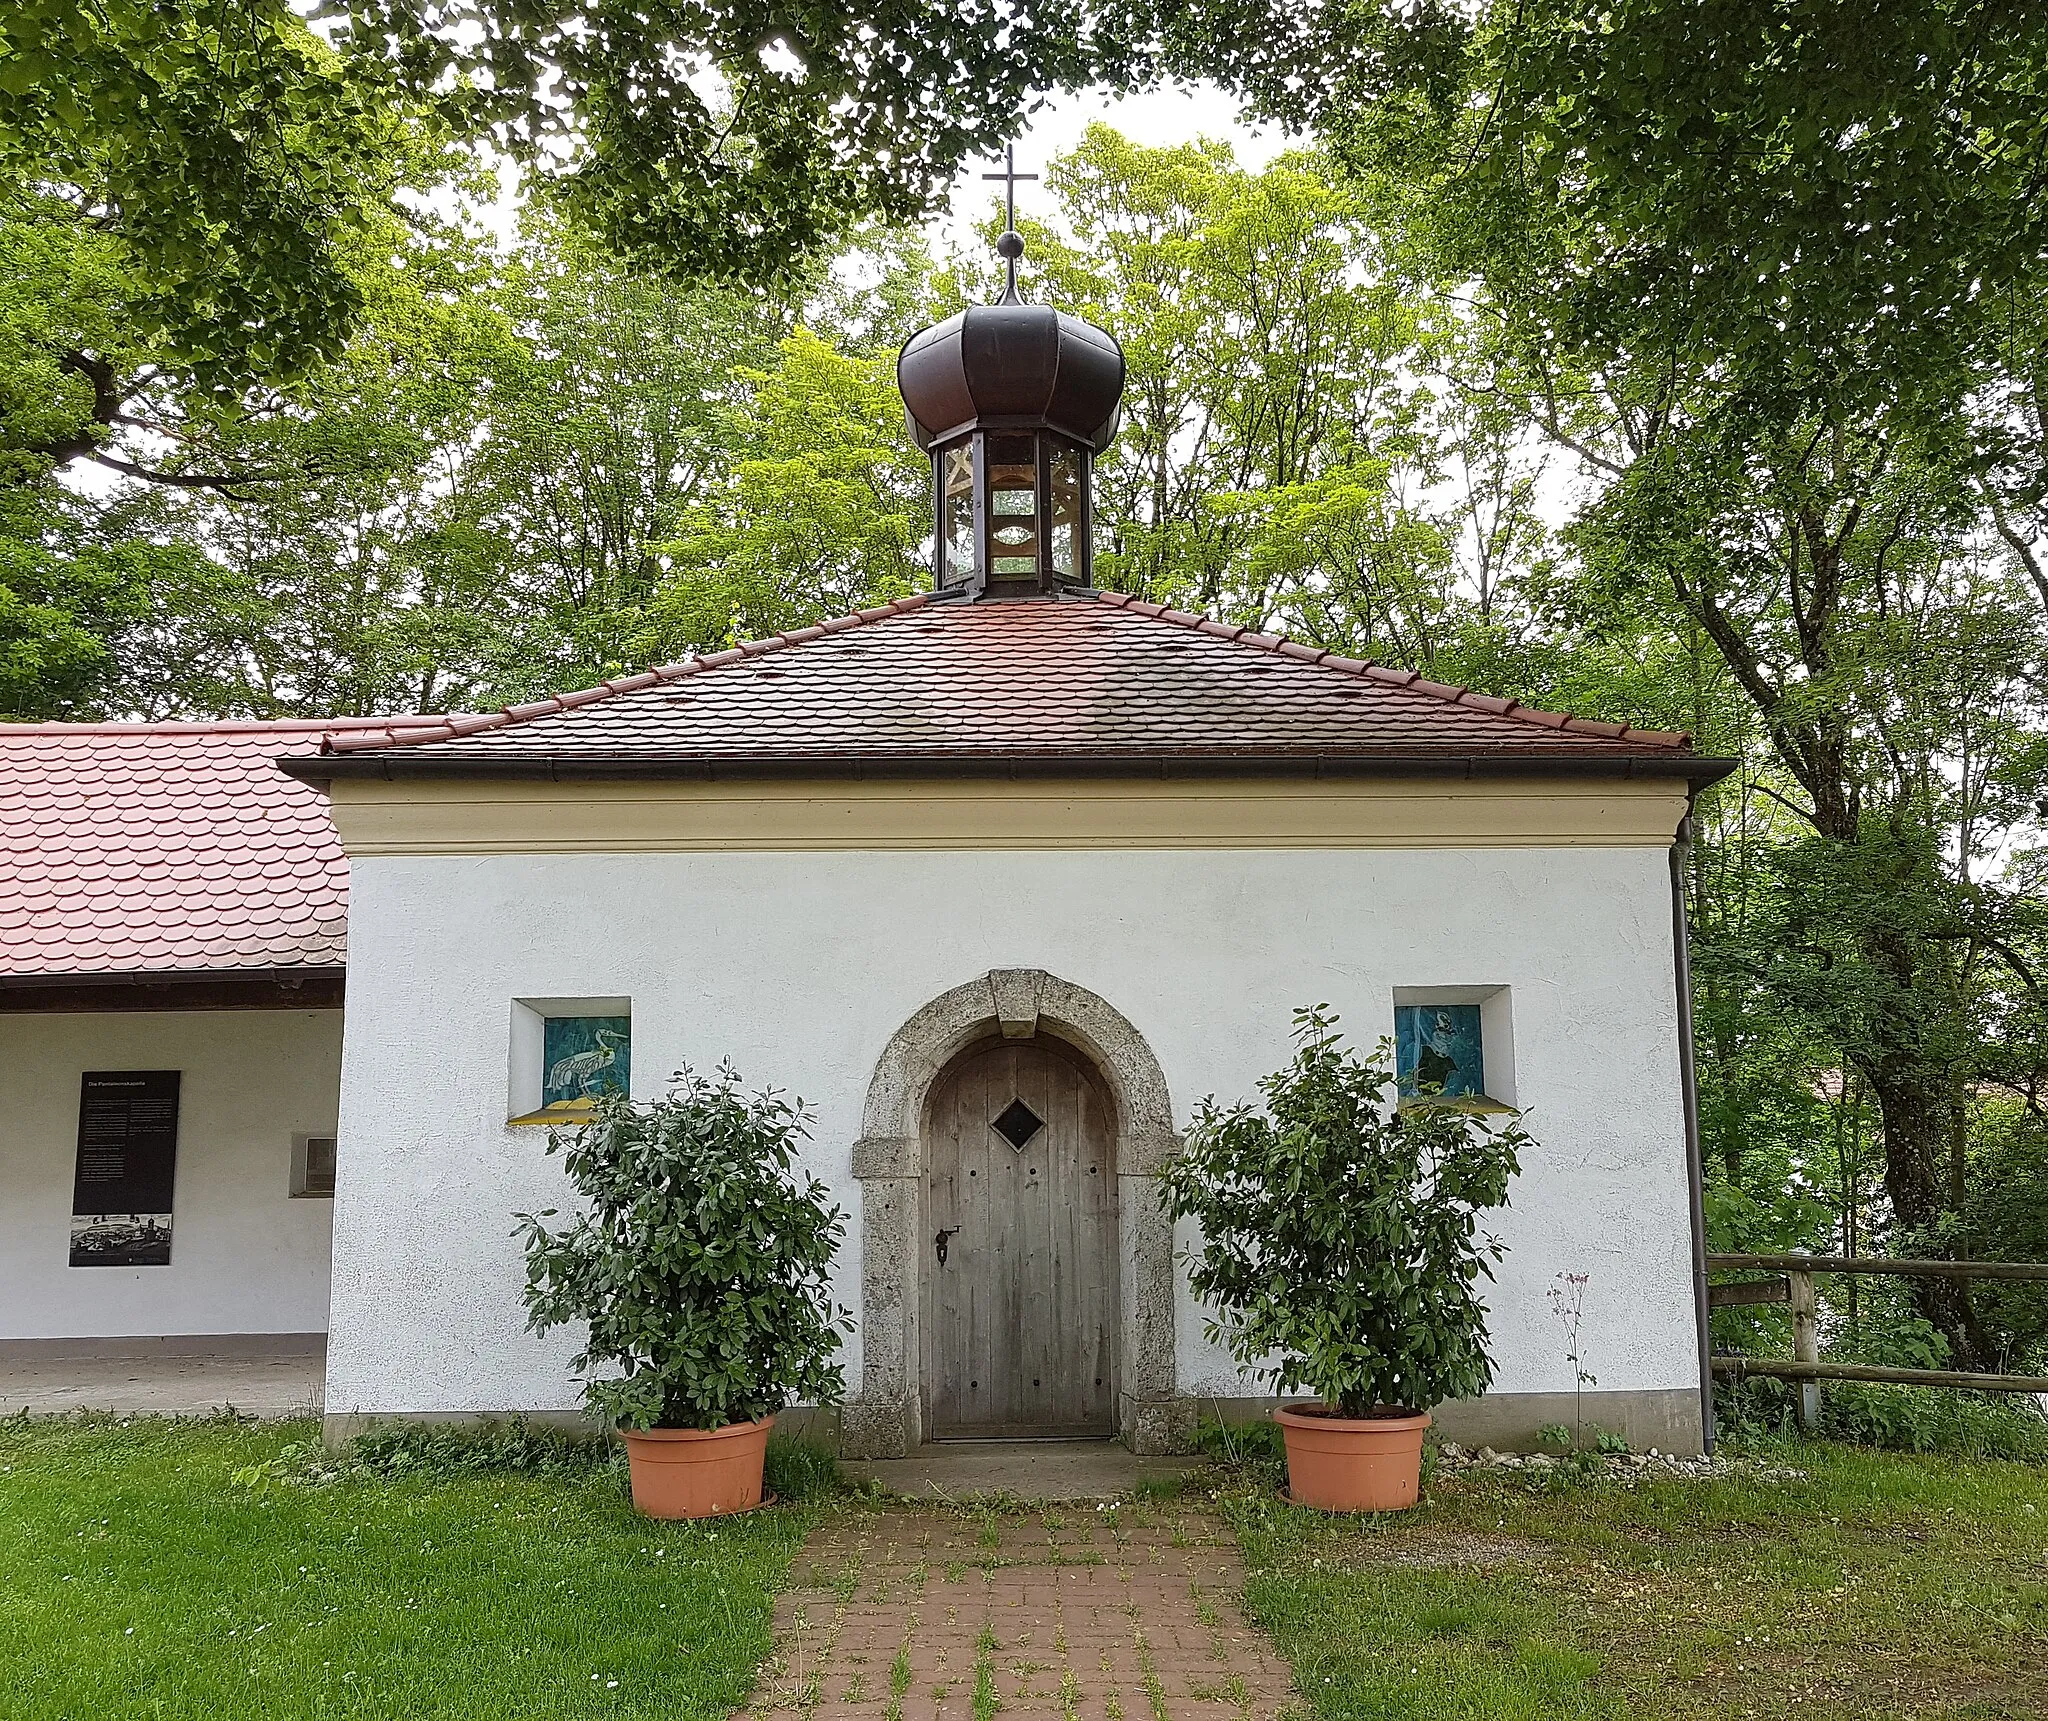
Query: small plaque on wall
[[127, 1166]]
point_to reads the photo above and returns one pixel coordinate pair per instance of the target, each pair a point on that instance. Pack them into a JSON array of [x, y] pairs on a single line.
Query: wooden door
[[1020, 1305]]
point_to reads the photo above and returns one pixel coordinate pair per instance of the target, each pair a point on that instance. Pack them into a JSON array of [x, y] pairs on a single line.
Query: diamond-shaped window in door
[[1017, 1124]]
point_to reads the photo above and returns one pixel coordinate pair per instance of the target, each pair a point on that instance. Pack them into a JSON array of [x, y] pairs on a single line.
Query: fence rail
[[1878, 1264], [1743, 1367], [1796, 1288]]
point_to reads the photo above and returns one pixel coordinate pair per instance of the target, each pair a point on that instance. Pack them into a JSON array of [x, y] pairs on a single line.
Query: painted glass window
[[958, 466], [582, 1056], [1066, 507], [1438, 1051], [1013, 505]]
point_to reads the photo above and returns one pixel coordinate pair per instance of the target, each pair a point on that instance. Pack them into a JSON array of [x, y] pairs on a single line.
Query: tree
[[1888, 660], [1281, 458], [728, 140], [195, 172], [820, 511], [1822, 200], [527, 471], [74, 581], [608, 420]]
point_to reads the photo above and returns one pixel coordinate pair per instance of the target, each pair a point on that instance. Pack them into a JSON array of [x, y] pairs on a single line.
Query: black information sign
[[127, 1164]]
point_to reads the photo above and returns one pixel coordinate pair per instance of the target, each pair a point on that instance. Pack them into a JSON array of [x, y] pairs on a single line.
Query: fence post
[[1805, 1345]]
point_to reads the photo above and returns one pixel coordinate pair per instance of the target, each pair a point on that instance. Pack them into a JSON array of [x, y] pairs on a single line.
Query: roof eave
[[27, 980], [402, 763]]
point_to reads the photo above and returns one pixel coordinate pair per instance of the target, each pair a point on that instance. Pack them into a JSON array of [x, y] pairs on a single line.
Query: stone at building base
[[801, 1422], [867, 1429], [1159, 1427], [877, 1427]]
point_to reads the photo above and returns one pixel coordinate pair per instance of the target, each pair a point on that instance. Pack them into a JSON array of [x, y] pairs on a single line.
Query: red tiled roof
[[1104, 680], [166, 848]]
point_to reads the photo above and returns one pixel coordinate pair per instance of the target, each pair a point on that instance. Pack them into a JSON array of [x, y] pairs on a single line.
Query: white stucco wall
[[245, 1257], [799, 966]]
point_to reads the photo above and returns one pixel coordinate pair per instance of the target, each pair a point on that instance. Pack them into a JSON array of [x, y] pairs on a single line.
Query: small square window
[[313, 1159], [1453, 1046], [565, 1053]]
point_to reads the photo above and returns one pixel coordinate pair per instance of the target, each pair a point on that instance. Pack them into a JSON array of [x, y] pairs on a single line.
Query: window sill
[[1475, 1105], [569, 1114]]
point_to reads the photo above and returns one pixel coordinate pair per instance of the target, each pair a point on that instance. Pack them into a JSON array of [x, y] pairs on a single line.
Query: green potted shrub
[[1341, 1252], [701, 1266]]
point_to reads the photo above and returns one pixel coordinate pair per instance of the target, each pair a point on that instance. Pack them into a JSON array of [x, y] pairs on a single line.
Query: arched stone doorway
[[887, 1416]]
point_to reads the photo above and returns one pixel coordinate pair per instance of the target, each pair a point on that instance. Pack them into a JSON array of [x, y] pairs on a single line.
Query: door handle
[[939, 1243]]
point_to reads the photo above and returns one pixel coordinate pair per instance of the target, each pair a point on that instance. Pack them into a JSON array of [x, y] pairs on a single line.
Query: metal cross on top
[[1008, 248]]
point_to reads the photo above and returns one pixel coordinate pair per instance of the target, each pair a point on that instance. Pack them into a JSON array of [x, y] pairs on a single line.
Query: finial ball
[[1010, 245]]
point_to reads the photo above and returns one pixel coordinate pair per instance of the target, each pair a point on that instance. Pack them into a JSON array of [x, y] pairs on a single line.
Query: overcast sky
[[1159, 118]]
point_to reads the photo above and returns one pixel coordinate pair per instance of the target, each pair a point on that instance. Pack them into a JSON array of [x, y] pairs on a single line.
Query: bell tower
[[1013, 402]]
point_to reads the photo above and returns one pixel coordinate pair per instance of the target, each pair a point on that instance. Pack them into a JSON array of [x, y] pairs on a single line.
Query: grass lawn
[[1873, 1585], [172, 1569], [140, 1577]]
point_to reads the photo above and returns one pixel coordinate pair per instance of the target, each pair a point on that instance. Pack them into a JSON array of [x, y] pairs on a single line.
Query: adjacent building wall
[[798, 965], [245, 1256]]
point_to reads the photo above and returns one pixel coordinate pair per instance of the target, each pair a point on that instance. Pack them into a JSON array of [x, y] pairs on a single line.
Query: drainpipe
[[1695, 1171]]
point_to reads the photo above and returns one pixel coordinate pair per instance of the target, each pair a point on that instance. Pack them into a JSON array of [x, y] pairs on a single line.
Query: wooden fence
[[1794, 1285]]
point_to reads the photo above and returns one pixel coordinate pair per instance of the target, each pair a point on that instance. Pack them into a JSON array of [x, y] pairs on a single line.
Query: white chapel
[[1000, 879]]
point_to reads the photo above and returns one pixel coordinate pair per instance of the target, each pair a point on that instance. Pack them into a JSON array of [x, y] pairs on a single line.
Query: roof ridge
[[403, 734], [209, 726], [1413, 680]]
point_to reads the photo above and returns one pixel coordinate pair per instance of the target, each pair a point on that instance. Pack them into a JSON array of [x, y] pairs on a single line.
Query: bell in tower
[[1013, 402]]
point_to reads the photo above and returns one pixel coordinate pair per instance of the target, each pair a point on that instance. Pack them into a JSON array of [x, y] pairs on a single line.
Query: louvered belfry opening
[[1012, 402]]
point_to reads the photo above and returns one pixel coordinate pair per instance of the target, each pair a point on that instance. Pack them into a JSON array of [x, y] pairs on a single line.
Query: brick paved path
[[1126, 1614]]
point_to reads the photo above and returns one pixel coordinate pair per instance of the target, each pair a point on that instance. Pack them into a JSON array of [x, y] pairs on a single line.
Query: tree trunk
[[1916, 1118]]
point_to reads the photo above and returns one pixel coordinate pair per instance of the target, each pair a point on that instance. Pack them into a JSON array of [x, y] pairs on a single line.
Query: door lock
[[939, 1243]]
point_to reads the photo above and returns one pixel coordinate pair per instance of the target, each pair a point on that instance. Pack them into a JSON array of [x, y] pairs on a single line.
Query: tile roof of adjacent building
[[166, 849], [917, 683]]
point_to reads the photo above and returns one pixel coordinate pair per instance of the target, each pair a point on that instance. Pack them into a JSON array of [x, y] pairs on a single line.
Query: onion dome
[[1012, 366], [1012, 402]]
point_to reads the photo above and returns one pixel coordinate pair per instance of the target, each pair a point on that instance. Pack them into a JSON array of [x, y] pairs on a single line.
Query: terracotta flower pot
[[1345, 1464], [697, 1472]]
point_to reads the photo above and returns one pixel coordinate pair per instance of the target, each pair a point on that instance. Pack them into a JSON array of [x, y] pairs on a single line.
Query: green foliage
[[1273, 445], [1809, 202], [722, 141], [702, 1263], [1804, 515], [64, 595], [1340, 1229], [2006, 1217], [1891, 1418], [515, 1446], [801, 1470], [820, 512], [214, 162], [797, 1470], [1241, 1445]]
